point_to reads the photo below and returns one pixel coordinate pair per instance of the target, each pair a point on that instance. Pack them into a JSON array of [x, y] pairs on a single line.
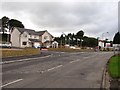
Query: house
[[46, 38], [21, 37], [54, 44]]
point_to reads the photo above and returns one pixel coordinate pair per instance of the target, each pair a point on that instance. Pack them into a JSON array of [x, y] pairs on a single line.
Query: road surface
[[57, 70]]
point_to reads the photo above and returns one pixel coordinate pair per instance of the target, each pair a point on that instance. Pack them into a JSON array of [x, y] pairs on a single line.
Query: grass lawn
[[114, 66], [22, 52]]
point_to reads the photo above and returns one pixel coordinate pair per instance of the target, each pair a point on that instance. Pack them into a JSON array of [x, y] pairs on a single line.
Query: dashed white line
[[54, 67], [74, 61], [11, 82], [5, 62]]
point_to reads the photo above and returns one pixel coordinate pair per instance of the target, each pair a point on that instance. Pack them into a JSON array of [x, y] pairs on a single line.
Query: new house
[[21, 37]]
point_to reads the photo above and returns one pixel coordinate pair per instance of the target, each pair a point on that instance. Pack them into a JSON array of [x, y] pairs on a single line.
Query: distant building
[[101, 43]]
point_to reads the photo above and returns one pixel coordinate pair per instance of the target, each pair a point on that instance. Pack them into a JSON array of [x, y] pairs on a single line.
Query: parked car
[[5, 45], [43, 48]]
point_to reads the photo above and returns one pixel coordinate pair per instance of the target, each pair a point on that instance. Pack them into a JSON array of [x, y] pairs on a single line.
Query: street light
[[65, 36], [81, 42]]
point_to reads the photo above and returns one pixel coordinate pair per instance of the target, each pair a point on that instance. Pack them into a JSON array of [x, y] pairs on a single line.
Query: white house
[[21, 37], [46, 38], [54, 44], [101, 43]]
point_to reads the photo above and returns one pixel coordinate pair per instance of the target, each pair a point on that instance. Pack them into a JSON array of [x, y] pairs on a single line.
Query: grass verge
[[114, 66], [23, 52], [69, 50]]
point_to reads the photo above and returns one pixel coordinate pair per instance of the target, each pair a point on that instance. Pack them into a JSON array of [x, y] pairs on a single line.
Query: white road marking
[[54, 67], [5, 62], [75, 61], [11, 82]]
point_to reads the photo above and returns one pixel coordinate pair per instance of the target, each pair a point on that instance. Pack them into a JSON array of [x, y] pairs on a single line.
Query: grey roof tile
[[31, 32]]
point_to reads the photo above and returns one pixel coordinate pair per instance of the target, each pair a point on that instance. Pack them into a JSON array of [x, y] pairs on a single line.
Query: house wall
[[33, 37], [15, 38], [46, 36], [25, 38]]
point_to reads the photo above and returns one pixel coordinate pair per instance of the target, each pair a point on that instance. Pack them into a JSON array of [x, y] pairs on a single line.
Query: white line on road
[[5, 62], [74, 61], [54, 67], [11, 82]]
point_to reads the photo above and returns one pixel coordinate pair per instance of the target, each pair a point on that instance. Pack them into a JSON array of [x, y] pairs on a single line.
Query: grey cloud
[[68, 17]]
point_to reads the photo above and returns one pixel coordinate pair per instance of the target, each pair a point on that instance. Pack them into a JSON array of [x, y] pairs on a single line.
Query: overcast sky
[[94, 18]]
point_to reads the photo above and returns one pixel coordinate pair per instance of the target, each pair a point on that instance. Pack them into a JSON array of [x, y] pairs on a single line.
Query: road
[[58, 70]]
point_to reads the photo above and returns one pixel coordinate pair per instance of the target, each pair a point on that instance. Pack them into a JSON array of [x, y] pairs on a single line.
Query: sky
[[97, 18]]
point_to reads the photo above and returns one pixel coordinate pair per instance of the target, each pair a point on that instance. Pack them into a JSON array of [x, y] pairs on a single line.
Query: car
[[43, 48], [5, 45]]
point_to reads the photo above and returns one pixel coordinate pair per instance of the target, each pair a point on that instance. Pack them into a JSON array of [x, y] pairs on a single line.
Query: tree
[[15, 23], [10, 23], [5, 21], [116, 39], [89, 41], [80, 34]]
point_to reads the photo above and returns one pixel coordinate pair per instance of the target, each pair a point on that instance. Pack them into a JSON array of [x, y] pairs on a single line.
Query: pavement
[[56, 70]]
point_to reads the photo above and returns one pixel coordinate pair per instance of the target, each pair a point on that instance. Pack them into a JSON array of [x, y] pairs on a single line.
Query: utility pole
[[65, 36], [61, 44]]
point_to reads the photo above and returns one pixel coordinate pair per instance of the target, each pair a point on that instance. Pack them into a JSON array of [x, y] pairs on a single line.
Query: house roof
[[34, 40], [41, 32], [31, 32]]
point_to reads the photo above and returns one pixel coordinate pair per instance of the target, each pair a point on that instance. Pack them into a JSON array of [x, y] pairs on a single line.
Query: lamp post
[[65, 36], [81, 42], [103, 43]]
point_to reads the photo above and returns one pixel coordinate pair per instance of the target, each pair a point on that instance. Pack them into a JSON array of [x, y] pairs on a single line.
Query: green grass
[[23, 52], [114, 66]]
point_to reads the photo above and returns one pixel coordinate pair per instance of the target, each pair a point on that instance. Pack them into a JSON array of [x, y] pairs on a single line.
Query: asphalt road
[[57, 70]]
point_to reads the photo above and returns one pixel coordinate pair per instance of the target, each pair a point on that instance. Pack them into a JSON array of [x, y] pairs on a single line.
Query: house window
[[24, 43], [34, 36], [24, 35], [45, 37]]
